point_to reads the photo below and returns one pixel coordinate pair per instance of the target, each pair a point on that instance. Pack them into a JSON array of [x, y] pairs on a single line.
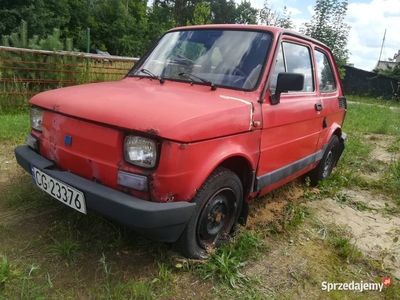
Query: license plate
[[59, 190]]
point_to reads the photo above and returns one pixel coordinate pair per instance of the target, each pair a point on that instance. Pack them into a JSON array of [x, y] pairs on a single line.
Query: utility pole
[[383, 42]]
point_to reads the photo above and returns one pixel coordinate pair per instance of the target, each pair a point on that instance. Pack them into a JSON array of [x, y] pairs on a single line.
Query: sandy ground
[[376, 231]]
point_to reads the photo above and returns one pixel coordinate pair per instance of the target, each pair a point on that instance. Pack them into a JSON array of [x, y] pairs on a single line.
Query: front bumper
[[163, 222]]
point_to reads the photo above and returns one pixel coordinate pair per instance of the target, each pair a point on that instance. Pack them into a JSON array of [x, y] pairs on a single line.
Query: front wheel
[[219, 202], [326, 164]]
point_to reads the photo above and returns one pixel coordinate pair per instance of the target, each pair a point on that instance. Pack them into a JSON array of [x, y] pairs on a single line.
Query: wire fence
[[26, 72]]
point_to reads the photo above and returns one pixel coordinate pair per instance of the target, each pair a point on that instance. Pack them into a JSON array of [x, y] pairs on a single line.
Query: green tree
[[393, 72], [223, 12], [41, 15], [116, 29], [327, 25], [270, 17], [246, 14], [201, 14], [160, 18]]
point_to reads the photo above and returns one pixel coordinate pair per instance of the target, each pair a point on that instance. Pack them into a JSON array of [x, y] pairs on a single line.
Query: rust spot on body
[[152, 131], [119, 165]]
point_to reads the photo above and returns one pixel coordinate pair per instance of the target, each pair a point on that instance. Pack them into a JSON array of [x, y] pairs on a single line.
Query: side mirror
[[287, 82]]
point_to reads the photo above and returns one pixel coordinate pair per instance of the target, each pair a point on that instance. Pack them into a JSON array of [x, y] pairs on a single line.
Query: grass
[[373, 101], [67, 249], [346, 249], [226, 263], [375, 119], [14, 128], [395, 147], [21, 194], [390, 183], [7, 273]]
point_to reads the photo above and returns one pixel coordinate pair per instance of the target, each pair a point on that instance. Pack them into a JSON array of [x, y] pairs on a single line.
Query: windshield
[[228, 58]]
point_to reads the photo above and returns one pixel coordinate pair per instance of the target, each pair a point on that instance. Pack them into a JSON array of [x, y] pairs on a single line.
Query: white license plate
[[59, 190]]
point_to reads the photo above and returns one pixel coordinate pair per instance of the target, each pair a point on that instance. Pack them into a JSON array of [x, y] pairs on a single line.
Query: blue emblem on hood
[[68, 140]]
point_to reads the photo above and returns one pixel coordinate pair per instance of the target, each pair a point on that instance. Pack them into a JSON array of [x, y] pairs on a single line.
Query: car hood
[[174, 110]]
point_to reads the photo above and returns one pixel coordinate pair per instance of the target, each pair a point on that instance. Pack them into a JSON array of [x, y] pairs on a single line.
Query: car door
[[292, 127], [332, 100]]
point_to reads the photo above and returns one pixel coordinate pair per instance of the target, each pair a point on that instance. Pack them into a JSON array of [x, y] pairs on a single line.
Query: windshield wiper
[[145, 71], [213, 87]]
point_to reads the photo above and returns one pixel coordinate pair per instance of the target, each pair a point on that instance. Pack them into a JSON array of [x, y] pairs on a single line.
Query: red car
[[208, 119]]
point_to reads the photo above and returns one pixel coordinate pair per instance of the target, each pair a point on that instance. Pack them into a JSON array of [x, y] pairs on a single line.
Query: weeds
[[395, 147], [340, 242], [346, 249], [7, 273], [66, 249], [107, 274], [390, 183], [28, 289], [225, 264], [294, 215]]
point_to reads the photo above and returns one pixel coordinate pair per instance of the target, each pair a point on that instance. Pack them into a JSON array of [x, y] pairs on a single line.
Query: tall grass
[[372, 119], [13, 128]]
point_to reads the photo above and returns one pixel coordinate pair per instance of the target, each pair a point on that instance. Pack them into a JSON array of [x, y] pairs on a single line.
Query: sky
[[368, 20]]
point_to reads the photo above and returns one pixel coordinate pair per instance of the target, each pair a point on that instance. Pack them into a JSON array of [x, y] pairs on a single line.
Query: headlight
[[140, 151], [36, 116]]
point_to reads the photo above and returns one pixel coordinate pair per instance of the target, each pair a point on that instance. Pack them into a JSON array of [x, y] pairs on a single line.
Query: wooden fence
[[25, 72]]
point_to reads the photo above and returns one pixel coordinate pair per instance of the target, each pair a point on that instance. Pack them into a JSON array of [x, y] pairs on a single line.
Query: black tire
[[219, 202], [326, 164]]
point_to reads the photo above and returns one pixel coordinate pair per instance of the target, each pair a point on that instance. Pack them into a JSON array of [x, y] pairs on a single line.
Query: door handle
[[318, 106]]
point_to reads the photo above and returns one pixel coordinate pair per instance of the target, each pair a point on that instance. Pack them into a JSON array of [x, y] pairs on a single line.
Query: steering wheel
[[225, 69], [185, 58], [237, 71]]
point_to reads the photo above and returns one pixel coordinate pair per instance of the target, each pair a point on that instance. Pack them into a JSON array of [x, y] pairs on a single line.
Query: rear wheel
[[219, 202], [326, 164]]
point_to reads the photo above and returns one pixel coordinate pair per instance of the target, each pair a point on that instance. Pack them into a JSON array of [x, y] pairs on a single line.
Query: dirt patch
[[8, 164], [381, 143], [268, 211], [375, 231]]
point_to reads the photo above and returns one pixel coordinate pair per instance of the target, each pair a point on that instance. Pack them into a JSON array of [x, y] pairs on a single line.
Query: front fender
[[184, 167]]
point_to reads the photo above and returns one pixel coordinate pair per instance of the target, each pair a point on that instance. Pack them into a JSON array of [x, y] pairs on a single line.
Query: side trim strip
[[274, 176]]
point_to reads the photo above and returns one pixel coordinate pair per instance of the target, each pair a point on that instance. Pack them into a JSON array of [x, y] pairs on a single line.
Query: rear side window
[[326, 80], [294, 58]]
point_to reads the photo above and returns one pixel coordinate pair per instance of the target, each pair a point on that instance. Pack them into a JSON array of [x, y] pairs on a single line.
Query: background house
[[388, 64]]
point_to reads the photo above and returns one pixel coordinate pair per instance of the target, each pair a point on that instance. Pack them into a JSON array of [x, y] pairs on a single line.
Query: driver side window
[[294, 58]]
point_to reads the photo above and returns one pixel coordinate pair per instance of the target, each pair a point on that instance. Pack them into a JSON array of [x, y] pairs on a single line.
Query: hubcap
[[328, 164], [217, 218]]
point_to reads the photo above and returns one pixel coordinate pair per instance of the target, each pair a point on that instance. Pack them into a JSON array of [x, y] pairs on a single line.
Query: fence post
[[87, 45]]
